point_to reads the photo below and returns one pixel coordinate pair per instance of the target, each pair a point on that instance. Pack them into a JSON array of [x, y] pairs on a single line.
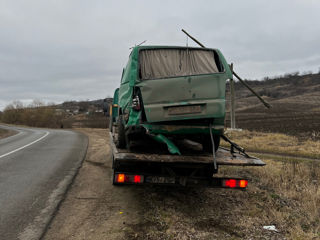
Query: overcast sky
[[58, 50]]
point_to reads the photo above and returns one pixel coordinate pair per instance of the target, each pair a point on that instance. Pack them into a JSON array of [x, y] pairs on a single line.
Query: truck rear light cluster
[[126, 178], [235, 183]]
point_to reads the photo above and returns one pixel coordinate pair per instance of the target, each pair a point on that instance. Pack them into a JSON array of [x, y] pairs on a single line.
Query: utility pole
[[232, 101]]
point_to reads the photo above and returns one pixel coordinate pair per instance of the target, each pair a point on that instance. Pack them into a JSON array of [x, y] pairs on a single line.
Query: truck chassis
[[150, 165]]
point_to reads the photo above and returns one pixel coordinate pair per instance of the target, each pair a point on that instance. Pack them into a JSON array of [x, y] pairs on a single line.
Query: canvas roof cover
[[164, 63]]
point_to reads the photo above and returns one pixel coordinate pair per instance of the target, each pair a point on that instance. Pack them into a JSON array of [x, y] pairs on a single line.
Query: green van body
[[173, 106]]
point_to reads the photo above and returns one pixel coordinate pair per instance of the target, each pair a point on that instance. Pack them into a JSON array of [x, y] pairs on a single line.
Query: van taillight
[[235, 183], [136, 103], [127, 178]]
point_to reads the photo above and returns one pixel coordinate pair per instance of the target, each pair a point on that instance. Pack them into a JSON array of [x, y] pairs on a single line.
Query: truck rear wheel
[[207, 144], [121, 140]]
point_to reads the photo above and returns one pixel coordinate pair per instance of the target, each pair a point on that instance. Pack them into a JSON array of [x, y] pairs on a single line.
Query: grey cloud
[[64, 50]]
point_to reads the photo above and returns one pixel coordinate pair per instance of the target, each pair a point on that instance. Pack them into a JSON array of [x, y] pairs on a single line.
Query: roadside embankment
[[285, 194], [275, 143], [6, 133]]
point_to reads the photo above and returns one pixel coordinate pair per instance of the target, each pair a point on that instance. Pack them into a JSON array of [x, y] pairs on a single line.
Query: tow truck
[[148, 163], [168, 117]]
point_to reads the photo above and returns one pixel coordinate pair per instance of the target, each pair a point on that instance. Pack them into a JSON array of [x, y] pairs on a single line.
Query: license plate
[[184, 110], [154, 179]]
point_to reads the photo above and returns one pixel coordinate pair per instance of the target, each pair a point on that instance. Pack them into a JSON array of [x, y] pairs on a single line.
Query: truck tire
[[121, 140], [207, 145]]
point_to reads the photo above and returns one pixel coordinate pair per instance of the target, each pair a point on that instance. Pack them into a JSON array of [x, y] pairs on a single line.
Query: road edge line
[[56, 198], [27, 145]]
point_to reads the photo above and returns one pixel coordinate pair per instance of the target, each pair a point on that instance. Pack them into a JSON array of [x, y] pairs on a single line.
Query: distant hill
[[85, 106], [295, 101], [295, 104]]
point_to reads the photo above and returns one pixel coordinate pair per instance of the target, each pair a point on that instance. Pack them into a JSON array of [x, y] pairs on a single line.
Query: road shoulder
[[94, 208], [4, 133]]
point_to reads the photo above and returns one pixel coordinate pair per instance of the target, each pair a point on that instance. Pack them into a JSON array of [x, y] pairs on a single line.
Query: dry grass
[[275, 143], [285, 192], [286, 195], [6, 133], [2, 132]]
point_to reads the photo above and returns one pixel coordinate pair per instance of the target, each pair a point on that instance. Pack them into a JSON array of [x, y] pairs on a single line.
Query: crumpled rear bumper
[[181, 129]]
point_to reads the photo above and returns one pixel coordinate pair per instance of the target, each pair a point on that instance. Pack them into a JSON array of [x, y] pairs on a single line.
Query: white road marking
[[20, 148]]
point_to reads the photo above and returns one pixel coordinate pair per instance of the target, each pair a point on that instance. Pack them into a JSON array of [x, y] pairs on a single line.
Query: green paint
[[158, 95], [180, 130], [134, 117], [115, 109], [173, 149]]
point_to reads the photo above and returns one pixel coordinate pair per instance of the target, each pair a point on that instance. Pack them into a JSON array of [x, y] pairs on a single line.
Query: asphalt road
[[36, 167]]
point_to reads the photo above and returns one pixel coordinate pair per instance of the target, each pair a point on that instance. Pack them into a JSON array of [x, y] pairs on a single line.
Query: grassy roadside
[[6, 133], [284, 193], [275, 143], [287, 192]]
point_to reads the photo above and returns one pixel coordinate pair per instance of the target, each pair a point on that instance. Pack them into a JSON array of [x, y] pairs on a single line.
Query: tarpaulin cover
[[163, 63]]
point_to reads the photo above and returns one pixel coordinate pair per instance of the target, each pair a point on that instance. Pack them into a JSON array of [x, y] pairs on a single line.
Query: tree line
[[36, 114]]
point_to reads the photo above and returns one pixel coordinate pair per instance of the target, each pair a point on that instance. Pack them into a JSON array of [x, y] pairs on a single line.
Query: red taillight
[[235, 183], [137, 178], [232, 183], [126, 178], [136, 103]]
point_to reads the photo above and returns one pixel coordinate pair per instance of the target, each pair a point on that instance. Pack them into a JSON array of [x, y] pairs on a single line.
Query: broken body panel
[[181, 91], [192, 168], [173, 95]]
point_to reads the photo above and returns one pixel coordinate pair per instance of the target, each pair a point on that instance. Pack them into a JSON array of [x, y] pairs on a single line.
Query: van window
[[163, 63]]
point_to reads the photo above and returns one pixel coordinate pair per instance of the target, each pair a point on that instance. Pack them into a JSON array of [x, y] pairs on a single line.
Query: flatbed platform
[[156, 154]]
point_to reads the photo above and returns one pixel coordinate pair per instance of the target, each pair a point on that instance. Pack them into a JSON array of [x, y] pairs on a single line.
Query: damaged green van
[[170, 93]]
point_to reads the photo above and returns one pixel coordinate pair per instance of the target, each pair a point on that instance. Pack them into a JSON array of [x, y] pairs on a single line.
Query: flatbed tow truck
[[148, 162], [168, 94]]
